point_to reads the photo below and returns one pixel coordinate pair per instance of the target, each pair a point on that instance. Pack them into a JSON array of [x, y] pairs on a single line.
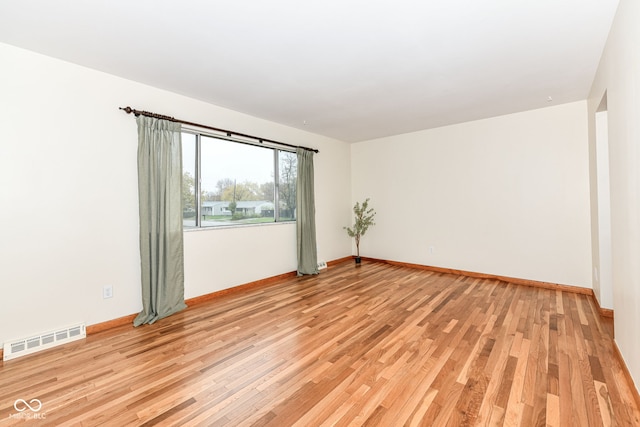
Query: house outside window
[[230, 183]]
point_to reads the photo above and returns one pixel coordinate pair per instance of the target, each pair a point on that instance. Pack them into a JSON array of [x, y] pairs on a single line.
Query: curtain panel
[[161, 237], [306, 215]]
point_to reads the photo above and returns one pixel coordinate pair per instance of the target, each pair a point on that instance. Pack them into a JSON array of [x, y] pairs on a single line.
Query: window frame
[[197, 187]]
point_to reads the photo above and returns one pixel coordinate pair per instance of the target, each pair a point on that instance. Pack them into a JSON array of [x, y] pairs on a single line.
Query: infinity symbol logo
[[21, 405]]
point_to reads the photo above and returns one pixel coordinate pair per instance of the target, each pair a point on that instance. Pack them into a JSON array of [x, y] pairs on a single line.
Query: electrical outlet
[[107, 291]]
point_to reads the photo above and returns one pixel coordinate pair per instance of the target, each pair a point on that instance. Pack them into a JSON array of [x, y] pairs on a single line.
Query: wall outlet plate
[[107, 291]]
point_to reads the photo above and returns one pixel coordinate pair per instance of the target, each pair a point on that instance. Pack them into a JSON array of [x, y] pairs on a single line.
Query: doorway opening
[[603, 283]]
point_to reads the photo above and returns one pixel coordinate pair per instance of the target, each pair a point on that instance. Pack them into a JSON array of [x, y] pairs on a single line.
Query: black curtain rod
[[130, 110]]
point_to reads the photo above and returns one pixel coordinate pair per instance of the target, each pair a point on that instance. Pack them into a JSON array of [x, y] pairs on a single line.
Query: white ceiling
[[351, 69]]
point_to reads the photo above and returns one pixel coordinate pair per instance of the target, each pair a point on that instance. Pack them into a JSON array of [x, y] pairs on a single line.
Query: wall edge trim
[[514, 280], [626, 373], [128, 319]]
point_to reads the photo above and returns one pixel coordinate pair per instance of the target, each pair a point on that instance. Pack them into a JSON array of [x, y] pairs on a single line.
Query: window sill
[[230, 226]]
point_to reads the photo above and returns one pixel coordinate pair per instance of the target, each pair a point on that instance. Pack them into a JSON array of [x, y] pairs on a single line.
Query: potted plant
[[363, 219]]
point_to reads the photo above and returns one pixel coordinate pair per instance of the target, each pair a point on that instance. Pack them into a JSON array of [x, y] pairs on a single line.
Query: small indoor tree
[[363, 219]]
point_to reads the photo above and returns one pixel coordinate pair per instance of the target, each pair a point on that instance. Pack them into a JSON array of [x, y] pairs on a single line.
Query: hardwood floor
[[378, 345]]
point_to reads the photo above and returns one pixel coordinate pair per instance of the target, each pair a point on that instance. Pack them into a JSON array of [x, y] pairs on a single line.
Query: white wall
[[618, 75], [68, 197], [507, 195]]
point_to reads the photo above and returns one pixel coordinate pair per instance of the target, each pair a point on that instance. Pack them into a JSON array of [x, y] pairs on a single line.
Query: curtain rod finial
[[127, 109]]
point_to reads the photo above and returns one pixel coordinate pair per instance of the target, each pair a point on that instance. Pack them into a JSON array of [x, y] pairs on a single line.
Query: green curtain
[[306, 215], [161, 245]]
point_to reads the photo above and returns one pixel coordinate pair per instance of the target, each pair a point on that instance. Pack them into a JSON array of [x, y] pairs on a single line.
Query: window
[[227, 183]]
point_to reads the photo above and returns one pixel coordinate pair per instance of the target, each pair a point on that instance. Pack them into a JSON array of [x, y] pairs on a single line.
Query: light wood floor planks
[[377, 345]]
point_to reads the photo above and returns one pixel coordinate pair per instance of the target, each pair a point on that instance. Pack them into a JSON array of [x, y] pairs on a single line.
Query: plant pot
[[358, 260]]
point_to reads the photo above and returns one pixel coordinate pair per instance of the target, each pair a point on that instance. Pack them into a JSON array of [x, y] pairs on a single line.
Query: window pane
[[237, 183], [188, 180], [288, 168]]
